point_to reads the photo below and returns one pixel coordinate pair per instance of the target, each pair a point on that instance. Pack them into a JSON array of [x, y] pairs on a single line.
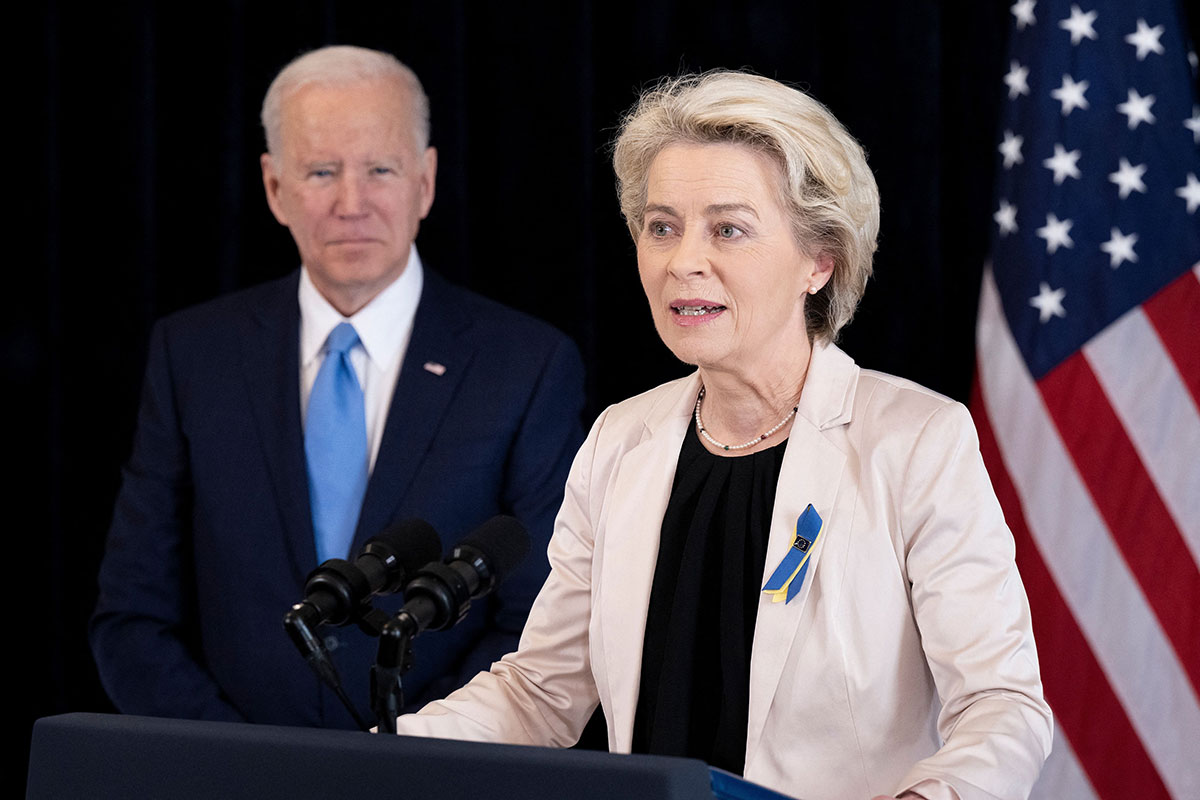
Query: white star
[[1070, 94], [1190, 192], [1048, 302], [1023, 11], [1128, 178], [1146, 39], [1079, 24], [1120, 248], [1193, 124], [1006, 218], [1017, 80], [1056, 232], [1063, 163], [1137, 108], [1011, 148]]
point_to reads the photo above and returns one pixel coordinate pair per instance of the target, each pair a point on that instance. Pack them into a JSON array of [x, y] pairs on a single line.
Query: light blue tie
[[335, 444]]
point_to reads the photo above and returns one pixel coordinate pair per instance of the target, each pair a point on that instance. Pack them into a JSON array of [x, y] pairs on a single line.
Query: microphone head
[[403, 547], [495, 548]]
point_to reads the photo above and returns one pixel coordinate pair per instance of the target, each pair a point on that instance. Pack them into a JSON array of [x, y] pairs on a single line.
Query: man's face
[[351, 185]]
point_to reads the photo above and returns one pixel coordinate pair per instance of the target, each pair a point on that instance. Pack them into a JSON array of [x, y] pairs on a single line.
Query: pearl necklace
[[752, 442]]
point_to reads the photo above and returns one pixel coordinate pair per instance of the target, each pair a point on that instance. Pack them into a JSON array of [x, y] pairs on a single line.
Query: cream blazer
[[907, 660]]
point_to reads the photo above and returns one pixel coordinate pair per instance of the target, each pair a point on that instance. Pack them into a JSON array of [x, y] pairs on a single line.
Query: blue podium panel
[[105, 755]]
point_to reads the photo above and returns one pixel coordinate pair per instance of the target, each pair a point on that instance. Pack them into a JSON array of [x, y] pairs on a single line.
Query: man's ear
[[428, 180], [270, 176]]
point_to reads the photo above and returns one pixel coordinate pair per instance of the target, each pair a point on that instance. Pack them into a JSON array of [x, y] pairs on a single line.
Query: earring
[[812, 290]]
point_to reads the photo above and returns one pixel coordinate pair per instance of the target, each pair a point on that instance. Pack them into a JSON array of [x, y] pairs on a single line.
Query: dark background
[[137, 192]]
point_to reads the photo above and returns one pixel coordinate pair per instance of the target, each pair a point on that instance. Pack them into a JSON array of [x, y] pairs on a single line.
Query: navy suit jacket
[[212, 536]]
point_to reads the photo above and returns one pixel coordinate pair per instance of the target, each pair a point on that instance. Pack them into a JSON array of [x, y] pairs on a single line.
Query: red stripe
[[1129, 503], [1175, 314], [1086, 708]]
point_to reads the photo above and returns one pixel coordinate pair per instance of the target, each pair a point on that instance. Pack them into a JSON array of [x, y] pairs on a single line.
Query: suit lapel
[[418, 405], [812, 472], [271, 367], [630, 551]]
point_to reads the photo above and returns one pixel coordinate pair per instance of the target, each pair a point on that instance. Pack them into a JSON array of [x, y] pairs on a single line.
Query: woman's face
[[725, 278]]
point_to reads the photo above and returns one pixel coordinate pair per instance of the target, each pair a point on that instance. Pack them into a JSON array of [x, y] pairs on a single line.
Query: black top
[[695, 685]]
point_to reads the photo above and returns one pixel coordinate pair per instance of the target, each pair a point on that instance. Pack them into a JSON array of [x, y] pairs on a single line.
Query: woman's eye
[[728, 231], [659, 229]]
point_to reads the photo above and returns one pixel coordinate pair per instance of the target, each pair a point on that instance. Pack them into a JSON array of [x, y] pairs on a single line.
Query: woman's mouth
[[696, 311]]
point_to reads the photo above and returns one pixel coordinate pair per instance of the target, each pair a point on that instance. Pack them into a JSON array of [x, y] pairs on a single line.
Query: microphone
[[335, 591], [438, 598], [440, 594]]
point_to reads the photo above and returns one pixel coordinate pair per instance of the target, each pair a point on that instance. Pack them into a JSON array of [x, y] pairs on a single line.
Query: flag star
[[1063, 164], [1006, 218], [1048, 302], [1079, 24], [1057, 233], [1017, 80], [1190, 193], [1193, 124], [1137, 108], [1145, 39], [1011, 149], [1120, 248], [1128, 178], [1023, 11], [1070, 94]]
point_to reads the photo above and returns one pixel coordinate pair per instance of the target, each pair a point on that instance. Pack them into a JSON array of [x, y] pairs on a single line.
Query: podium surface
[[106, 755]]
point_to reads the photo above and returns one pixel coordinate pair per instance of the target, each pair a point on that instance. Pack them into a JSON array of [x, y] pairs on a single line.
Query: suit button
[[332, 643]]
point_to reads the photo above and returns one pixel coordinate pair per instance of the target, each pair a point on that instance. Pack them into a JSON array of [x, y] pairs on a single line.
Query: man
[[290, 422]]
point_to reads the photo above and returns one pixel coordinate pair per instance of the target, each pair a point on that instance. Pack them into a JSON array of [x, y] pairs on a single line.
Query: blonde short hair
[[825, 183], [341, 65]]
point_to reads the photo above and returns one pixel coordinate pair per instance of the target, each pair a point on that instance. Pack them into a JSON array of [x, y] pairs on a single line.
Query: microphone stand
[[296, 624], [394, 659]]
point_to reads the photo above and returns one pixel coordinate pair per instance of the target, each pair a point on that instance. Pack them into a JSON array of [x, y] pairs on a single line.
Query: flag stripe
[[1090, 573], [1175, 314], [1063, 777], [1128, 501], [1085, 707], [1155, 409]]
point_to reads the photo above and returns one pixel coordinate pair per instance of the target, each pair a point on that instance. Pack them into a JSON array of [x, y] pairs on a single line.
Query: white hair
[[341, 65]]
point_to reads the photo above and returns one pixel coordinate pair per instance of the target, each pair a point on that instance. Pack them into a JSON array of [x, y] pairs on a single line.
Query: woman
[[900, 657]]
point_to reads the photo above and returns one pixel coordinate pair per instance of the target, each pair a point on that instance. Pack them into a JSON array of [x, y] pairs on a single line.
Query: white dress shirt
[[384, 327]]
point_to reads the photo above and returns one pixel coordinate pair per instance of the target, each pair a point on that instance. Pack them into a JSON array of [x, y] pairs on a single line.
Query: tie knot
[[341, 339]]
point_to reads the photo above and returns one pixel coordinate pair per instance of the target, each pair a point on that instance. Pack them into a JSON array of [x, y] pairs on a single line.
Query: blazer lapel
[[271, 367], [419, 403], [630, 551], [812, 472]]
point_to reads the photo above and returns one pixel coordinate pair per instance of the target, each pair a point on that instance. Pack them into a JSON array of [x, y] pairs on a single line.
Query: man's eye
[[320, 173], [381, 170]]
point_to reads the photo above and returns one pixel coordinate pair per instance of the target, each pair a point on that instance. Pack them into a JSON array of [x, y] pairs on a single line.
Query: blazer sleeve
[[539, 461], [144, 627], [973, 615], [544, 693]]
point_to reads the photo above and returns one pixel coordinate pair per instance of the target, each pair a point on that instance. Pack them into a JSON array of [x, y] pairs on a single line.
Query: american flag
[[1087, 395]]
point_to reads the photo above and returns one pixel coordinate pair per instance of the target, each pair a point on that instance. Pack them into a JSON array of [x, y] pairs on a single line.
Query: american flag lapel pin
[[435, 368]]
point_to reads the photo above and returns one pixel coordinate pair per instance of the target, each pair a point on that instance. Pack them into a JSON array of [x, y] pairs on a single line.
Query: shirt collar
[[382, 324]]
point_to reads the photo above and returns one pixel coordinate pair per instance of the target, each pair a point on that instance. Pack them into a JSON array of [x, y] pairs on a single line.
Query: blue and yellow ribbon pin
[[788, 577]]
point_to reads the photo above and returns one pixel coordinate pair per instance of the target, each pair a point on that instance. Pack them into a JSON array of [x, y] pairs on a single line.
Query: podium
[[106, 755]]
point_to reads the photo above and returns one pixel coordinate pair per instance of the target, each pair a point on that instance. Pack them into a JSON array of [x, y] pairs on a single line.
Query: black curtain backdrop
[[137, 126]]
